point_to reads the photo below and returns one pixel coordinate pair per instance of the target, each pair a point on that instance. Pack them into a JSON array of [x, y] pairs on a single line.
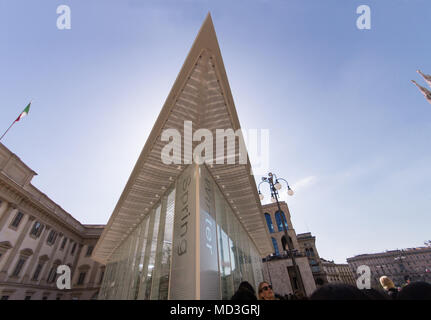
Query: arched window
[[284, 243], [279, 220], [311, 252], [274, 243], [269, 223]]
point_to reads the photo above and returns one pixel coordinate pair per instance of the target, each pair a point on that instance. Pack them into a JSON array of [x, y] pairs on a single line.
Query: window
[[52, 274], [44, 298], [89, 251], [274, 243], [51, 237], [63, 244], [315, 269], [81, 278], [37, 272], [269, 223], [17, 220], [37, 229], [4, 298], [311, 252], [101, 276], [73, 248], [285, 244], [279, 220], [18, 267], [27, 298]]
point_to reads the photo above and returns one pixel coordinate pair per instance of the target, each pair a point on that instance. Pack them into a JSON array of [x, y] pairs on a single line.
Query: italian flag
[[23, 113]]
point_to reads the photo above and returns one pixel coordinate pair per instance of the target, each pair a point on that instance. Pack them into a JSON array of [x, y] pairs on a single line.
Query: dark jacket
[[244, 294], [392, 293]]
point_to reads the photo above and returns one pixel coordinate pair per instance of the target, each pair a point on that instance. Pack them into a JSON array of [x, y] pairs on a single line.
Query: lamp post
[[274, 186], [399, 258]]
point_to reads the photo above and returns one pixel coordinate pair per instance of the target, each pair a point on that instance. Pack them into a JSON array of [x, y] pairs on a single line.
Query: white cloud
[[299, 185], [304, 183]]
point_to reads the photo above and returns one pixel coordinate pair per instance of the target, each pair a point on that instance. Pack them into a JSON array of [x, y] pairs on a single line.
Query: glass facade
[[189, 246], [239, 259]]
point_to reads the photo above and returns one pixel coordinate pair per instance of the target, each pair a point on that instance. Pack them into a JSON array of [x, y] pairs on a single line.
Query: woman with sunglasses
[[265, 291]]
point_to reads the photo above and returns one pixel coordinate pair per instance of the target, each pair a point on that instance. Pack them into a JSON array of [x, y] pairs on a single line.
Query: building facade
[[36, 236], [338, 272], [414, 263], [278, 267], [186, 229], [307, 244]]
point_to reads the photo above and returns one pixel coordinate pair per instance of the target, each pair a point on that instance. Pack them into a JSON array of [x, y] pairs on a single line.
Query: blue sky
[[347, 128]]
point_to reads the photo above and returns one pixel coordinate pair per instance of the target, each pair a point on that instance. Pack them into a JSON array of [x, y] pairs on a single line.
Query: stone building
[[278, 267], [414, 263], [36, 236], [338, 272], [307, 244]]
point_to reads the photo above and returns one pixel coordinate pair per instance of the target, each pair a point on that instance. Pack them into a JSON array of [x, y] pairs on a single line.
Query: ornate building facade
[[278, 267], [414, 263], [307, 244], [338, 272], [36, 236]]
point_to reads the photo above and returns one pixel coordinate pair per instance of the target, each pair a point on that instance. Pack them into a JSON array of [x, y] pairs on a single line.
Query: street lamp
[[400, 259], [274, 186]]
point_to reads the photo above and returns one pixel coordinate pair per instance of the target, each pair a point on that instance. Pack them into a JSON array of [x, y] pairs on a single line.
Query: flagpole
[[19, 117], [7, 130]]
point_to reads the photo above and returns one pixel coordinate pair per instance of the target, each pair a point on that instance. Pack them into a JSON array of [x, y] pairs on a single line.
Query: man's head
[[416, 291]]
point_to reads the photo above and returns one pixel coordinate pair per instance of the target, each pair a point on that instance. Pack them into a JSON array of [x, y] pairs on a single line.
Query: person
[[406, 281], [299, 295], [374, 294], [279, 296], [338, 291], [245, 292], [389, 287], [265, 291], [415, 291]]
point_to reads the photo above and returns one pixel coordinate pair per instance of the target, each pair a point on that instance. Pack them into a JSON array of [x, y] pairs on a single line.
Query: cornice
[[22, 199]]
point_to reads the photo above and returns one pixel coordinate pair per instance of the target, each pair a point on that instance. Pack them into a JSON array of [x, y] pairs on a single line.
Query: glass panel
[[222, 211], [150, 255], [153, 253], [130, 263], [236, 271], [160, 274], [143, 258], [137, 265], [167, 248]]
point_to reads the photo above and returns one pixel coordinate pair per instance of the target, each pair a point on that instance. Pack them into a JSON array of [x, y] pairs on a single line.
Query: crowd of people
[[337, 291]]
